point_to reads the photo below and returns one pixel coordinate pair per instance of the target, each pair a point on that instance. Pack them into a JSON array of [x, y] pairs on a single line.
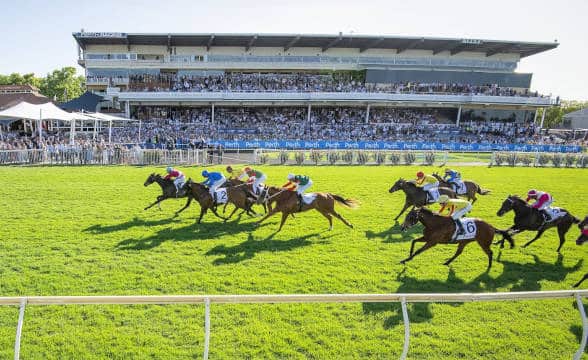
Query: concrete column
[[212, 116], [367, 114], [308, 114], [458, 116], [543, 117], [127, 110], [535, 118]]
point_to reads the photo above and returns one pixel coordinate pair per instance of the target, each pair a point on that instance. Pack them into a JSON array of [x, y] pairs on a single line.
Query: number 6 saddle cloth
[[469, 226]]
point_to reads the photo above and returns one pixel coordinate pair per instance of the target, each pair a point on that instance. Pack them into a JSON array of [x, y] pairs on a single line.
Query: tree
[[18, 79], [63, 84], [554, 115]]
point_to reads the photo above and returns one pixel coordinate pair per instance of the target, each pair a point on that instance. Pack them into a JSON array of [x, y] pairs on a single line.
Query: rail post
[[23, 304], [406, 328], [583, 340], [206, 327]]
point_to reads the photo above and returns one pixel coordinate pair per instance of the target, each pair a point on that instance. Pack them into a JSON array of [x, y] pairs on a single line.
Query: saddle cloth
[[221, 196], [470, 229], [308, 198], [432, 196], [461, 188], [555, 213]]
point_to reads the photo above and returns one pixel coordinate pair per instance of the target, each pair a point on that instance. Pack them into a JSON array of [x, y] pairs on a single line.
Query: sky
[[35, 36]]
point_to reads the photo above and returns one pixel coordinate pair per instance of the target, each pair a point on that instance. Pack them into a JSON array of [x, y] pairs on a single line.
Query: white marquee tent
[[41, 112]]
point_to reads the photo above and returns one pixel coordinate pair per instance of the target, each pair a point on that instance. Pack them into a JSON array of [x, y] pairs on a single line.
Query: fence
[[207, 300], [539, 159]]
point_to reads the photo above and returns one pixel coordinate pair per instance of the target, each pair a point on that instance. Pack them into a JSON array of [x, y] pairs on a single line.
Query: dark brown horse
[[439, 230], [246, 188], [415, 196], [168, 190], [287, 203], [582, 239], [472, 188], [234, 196], [531, 219]]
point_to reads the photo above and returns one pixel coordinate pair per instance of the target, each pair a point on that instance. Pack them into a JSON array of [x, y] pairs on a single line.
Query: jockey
[[213, 180], [178, 175], [230, 171], [542, 202], [457, 208], [256, 174], [454, 178], [303, 182], [427, 182]]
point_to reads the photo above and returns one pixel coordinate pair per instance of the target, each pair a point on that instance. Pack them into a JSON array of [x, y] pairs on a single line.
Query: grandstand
[[318, 87]]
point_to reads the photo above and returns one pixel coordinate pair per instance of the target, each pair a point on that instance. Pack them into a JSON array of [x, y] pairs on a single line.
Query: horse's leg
[[160, 198], [421, 239], [185, 206], [234, 210], [472, 197], [225, 207], [284, 217], [562, 229], [486, 247], [338, 216], [202, 212], [267, 216], [539, 233], [213, 208], [406, 206], [329, 217], [457, 253], [428, 245]]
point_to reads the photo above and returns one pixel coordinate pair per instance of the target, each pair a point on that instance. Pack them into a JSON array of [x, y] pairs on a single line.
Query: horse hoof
[[403, 262], [330, 228]]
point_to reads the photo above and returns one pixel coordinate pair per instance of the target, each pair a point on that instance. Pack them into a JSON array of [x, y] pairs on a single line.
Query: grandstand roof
[[325, 42]]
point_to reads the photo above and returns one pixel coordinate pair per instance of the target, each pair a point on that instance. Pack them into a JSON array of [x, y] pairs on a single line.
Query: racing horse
[[440, 229], [287, 202], [415, 196], [583, 238], [246, 188], [168, 190], [201, 194], [528, 218], [472, 188]]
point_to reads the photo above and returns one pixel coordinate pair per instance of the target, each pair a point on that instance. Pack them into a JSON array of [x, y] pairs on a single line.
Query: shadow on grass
[[394, 234], [249, 248], [517, 277], [202, 231], [105, 229]]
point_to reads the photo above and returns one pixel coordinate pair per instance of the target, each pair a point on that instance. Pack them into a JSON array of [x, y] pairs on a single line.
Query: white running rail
[[207, 300]]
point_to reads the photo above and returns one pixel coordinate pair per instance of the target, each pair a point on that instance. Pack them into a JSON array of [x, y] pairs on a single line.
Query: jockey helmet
[[420, 174], [247, 169], [205, 173], [290, 176], [443, 199], [168, 169], [229, 169], [532, 193]]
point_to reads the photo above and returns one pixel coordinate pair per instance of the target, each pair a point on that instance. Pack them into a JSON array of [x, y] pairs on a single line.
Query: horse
[[440, 229], [416, 196], [287, 203], [168, 190], [583, 238], [472, 188], [528, 218], [246, 188], [202, 195]]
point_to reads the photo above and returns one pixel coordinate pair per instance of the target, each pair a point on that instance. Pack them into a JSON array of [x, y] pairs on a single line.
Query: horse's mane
[[517, 198]]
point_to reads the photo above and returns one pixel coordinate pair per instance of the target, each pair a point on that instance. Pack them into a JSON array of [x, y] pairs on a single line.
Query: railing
[[111, 156], [305, 97], [207, 300], [539, 159]]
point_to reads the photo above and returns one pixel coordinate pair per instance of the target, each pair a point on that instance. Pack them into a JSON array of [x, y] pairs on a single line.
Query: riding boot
[[300, 203], [546, 216], [214, 200], [460, 230]]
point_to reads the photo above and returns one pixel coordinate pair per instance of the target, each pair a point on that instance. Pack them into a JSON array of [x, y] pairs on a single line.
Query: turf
[[82, 231]]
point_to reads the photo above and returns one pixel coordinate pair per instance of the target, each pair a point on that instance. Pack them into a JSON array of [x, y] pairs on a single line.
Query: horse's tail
[[349, 203], [505, 235], [482, 191]]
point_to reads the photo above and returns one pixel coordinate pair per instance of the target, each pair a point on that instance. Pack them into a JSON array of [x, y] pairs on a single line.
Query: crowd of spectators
[[169, 128], [304, 82]]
